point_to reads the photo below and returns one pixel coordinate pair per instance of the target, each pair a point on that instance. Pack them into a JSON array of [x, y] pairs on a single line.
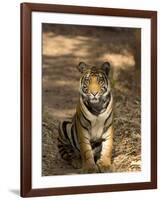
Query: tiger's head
[[94, 85]]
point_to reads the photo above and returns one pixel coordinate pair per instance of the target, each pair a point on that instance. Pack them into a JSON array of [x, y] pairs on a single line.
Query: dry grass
[[63, 48]]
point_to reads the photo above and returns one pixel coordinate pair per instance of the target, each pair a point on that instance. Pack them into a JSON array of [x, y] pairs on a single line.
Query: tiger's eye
[[101, 80]]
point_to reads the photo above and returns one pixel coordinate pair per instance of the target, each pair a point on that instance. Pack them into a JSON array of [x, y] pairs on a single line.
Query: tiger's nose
[[94, 93]]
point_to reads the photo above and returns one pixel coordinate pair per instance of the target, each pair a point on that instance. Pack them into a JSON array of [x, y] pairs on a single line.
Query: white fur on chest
[[97, 126], [97, 122]]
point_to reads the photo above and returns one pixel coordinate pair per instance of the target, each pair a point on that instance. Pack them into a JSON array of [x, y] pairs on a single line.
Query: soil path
[[63, 48]]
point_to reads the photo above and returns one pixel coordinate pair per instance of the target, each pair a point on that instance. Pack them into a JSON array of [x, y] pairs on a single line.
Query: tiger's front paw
[[77, 163], [104, 165], [90, 168]]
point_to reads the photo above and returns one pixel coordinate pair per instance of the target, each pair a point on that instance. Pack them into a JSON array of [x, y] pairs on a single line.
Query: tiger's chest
[[97, 126]]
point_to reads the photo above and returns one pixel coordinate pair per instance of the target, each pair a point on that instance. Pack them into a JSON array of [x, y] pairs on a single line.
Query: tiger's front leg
[[104, 162], [88, 163]]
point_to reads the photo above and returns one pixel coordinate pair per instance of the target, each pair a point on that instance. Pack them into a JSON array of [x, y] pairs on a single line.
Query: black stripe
[[76, 127], [61, 134], [64, 125], [85, 118], [86, 139], [61, 141], [73, 139], [108, 117], [106, 128], [106, 78], [82, 124], [61, 151], [108, 99], [76, 131]]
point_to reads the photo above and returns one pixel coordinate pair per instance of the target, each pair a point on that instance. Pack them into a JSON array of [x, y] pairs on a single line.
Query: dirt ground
[[63, 48]]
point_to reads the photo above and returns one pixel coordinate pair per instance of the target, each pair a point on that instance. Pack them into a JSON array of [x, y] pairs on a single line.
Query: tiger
[[86, 140]]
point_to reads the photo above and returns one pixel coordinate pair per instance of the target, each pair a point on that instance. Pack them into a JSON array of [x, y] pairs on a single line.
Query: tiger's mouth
[[94, 101], [94, 106]]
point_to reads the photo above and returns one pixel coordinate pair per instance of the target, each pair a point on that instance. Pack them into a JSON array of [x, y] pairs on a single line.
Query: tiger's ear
[[82, 66], [106, 67]]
